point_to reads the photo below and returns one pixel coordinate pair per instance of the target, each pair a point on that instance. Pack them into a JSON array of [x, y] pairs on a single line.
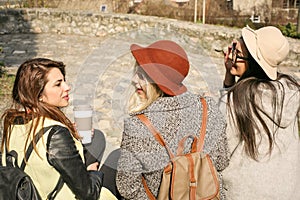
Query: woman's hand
[[93, 167], [229, 79], [75, 127], [227, 60]]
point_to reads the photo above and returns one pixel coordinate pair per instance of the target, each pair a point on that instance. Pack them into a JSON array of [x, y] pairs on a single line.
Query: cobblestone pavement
[[99, 71]]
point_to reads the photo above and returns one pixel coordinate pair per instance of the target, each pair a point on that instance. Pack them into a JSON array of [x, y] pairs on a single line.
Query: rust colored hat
[[166, 63]]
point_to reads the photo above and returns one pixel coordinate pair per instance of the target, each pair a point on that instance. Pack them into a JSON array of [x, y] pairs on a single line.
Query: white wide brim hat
[[267, 46]]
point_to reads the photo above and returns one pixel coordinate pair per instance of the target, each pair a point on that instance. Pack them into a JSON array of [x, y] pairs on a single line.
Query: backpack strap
[[203, 124], [161, 141], [155, 133], [198, 143], [159, 138], [30, 147], [59, 185], [13, 158], [29, 150], [195, 144], [147, 190]]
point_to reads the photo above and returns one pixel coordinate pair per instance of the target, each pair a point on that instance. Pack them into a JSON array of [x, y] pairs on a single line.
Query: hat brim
[[250, 39], [143, 58]]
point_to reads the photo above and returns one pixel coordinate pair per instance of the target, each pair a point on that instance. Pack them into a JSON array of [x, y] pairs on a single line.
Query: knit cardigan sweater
[[174, 117]]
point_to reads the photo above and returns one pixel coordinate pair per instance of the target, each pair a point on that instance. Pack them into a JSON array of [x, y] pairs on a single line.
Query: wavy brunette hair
[[29, 84], [243, 101]]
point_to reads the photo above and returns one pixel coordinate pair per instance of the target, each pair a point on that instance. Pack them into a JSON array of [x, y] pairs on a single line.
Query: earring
[[40, 99]]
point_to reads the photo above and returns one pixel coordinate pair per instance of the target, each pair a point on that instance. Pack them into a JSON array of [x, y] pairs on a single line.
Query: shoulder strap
[[155, 133], [29, 150], [147, 190], [58, 187], [159, 138], [203, 124], [30, 147]]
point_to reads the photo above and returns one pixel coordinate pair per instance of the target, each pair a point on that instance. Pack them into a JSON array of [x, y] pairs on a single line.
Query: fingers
[[94, 166], [228, 53], [93, 132], [227, 60]]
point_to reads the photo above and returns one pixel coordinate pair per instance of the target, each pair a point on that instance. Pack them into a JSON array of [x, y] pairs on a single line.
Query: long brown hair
[[29, 84], [243, 104]]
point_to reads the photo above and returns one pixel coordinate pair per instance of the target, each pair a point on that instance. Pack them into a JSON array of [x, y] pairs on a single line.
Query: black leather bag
[[15, 184]]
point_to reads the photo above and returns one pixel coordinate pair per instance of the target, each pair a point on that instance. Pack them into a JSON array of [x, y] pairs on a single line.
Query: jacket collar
[[163, 104]]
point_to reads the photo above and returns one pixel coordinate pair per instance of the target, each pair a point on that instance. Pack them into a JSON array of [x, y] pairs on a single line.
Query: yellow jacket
[[44, 175]]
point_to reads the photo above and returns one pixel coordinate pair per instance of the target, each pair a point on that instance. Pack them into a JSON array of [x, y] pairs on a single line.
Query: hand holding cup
[[83, 120]]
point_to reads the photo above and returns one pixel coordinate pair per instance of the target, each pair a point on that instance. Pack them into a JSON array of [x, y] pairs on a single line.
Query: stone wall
[[92, 5], [106, 25]]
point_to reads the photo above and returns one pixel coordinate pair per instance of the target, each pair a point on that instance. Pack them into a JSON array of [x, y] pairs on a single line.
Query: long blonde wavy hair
[[136, 104]]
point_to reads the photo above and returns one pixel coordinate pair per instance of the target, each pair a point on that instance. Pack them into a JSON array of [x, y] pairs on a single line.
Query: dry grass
[[6, 81]]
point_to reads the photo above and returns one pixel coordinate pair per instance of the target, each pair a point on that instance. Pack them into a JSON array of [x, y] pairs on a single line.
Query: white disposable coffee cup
[[83, 120]]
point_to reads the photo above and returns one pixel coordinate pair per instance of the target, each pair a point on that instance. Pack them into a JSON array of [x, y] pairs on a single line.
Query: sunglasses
[[234, 54], [140, 73]]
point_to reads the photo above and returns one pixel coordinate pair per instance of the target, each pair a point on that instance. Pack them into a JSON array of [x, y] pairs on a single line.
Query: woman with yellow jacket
[[40, 91]]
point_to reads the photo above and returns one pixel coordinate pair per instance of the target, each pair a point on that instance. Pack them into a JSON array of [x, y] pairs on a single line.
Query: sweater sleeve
[[129, 172], [216, 126], [64, 157]]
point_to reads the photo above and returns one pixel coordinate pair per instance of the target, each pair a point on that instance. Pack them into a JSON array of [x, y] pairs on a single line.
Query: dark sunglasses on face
[[234, 54], [140, 75], [139, 72]]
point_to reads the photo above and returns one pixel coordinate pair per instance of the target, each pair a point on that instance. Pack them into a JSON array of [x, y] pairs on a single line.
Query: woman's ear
[[41, 98]]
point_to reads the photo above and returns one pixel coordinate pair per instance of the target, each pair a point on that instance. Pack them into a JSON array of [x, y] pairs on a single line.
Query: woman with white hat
[[159, 94], [262, 128]]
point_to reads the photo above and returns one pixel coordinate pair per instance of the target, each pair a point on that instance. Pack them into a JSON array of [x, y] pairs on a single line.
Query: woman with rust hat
[[162, 97], [262, 128]]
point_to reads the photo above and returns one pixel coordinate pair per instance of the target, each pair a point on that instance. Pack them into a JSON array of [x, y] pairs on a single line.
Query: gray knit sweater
[[274, 176], [174, 117]]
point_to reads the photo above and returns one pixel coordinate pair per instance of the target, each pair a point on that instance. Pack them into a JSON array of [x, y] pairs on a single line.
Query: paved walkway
[[99, 71]]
